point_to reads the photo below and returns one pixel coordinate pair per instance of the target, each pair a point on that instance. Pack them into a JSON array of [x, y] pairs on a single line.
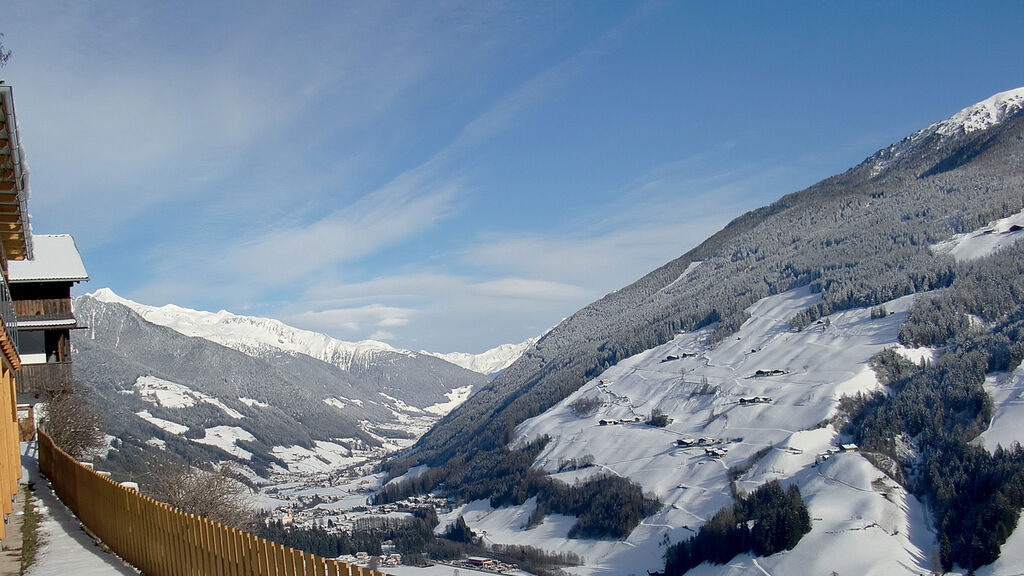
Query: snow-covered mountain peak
[[257, 336], [491, 361], [252, 335], [984, 114]]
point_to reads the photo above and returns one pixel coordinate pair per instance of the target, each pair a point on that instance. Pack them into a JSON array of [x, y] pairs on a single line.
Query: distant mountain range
[[256, 336], [211, 385], [491, 361]]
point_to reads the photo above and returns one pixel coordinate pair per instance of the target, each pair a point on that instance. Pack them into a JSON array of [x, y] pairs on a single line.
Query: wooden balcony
[[40, 379], [47, 307]]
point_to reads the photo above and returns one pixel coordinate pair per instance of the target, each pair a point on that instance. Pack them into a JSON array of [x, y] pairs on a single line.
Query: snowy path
[[66, 548]]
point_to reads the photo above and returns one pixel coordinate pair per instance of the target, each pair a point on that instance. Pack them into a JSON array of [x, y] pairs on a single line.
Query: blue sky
[[456, 175]]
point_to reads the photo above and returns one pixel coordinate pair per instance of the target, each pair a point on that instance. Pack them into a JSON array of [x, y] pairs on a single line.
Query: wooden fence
[[160, 540]]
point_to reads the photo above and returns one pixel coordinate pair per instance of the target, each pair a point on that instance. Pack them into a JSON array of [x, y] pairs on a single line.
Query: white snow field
[[984, 241], [173, 395], [1007, 392], [325, 457], [863, 523], [224, 437]]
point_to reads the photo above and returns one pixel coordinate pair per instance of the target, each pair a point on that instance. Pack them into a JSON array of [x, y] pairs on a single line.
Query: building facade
[[35, 305], [40, 289], [15, 244]]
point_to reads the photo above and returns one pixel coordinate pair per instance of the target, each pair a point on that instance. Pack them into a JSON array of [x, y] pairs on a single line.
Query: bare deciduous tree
[[215, 494], [73, 424]]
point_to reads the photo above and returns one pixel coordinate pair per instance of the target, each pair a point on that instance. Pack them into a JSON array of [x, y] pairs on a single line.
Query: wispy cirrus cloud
[[387, 217], [447, 310]]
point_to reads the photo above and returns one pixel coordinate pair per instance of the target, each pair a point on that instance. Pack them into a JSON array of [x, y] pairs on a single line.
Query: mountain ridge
[[257, 335], [858, 239]]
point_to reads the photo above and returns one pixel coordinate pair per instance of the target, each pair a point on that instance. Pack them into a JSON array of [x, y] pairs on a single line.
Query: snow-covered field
[[863, 522], [765, 389], [225, 438], [982, 242], [173, 395], [1007, 392]]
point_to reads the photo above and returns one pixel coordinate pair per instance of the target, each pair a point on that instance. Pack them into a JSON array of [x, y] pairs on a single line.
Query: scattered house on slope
[[41, 291], [715, 452]]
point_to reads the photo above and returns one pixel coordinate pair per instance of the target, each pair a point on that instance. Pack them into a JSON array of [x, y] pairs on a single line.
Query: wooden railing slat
[[158, 539]]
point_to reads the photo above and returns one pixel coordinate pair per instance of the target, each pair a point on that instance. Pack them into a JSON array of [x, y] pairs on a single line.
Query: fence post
[[163, 541]]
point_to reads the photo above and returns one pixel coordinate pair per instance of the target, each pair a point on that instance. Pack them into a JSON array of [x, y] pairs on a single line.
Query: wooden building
[[41, 292], [15, 245], [35, 304]]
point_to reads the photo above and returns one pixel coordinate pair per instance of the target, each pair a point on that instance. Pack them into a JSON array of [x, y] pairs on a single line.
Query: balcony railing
[[40, 379], [45, 307], [7, 313]]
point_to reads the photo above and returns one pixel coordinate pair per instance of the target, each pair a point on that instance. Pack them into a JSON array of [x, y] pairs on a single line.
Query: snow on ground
[[325, 457], [164, 392], [455, 397], [334, 402], [250, 402], [173, 395], [172, 427], [984, 114], [802, 376], [689, 268], [414, 472], [489, 362], [66, 548], [1007, 425], [984, 241], [229, 411], [252, 335], [224, 437], [881, 529], [435, 570], [1011, 557], [401, 406], [917, 355]]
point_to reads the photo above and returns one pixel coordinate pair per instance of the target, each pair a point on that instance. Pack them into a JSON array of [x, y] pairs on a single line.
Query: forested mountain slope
[[857, 239]]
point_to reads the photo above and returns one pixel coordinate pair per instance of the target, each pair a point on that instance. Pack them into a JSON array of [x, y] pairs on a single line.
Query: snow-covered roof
[[54, 323], [55, 257]]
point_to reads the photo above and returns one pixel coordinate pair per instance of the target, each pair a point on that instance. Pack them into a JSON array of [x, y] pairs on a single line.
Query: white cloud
[[353, 321], [382, 335], [524, 289], [384, 218]]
